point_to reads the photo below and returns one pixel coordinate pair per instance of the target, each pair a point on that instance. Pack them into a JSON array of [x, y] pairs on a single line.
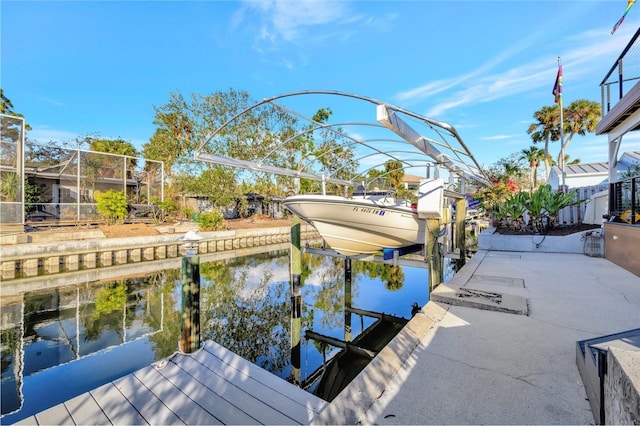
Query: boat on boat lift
[[366, 224]]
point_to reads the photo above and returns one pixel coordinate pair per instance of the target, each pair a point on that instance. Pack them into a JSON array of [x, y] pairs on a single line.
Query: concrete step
[[591, 359]]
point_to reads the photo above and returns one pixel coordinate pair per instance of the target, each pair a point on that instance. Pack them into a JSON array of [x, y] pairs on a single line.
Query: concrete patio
[[454, 364]]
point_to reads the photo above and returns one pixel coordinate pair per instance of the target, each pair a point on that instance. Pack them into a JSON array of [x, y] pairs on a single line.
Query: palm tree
[[582, 117], [546, 129], [533, 155], [567, 161]]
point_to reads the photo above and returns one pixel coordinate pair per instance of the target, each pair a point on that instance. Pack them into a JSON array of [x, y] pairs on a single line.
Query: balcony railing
[[622, 76], [624, 201]]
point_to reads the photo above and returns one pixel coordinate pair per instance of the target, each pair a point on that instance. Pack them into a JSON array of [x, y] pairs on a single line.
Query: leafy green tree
[[581, 117], [113, 146], [395, 172], [567, 160], [6, 107], [333, 153], [511, 167], [32, 195], [533, 155], [546, 129], [263, 133]]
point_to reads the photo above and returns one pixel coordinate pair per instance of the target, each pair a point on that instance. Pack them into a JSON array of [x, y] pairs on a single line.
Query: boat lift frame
[[461, 162]]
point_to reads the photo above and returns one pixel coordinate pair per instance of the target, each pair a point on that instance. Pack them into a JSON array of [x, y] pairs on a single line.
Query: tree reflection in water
[[245, 306]]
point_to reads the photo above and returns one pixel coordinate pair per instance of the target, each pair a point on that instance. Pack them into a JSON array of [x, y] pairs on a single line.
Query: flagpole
[[564, 175]]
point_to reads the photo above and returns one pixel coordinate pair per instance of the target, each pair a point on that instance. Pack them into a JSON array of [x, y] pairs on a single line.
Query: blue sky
[[100, 67]]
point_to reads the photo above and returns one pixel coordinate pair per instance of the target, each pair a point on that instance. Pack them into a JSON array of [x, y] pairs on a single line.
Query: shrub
[[210, 221], [111, 206], [162, 210]]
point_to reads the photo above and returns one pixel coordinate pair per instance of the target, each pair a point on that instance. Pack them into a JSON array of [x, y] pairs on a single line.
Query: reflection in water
[[59, 343]]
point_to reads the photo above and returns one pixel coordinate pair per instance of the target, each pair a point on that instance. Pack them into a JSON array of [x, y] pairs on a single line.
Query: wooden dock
[[210, 386]]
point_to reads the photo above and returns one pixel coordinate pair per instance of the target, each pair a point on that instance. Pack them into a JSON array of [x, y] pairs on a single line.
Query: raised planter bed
[[489, 239]]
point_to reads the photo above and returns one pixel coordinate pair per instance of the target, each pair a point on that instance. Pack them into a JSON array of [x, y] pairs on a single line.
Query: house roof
[[630, 158], [627, 159], [585, 169], [411, 178]]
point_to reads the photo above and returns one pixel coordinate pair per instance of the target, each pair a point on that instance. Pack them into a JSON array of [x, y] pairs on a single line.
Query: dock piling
[[190, 321]]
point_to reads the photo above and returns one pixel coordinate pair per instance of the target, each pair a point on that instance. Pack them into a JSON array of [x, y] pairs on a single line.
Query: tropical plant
[[9, 186], [544, 205], [541, 206], [511, 212]]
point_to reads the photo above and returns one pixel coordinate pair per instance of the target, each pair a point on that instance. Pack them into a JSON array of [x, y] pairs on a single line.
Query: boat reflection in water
[[58, 343]]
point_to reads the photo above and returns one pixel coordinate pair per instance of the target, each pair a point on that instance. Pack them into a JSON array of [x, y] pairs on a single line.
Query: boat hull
[[359, 226]]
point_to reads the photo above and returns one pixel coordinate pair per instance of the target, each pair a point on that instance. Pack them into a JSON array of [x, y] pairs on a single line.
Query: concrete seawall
[[45, 259]]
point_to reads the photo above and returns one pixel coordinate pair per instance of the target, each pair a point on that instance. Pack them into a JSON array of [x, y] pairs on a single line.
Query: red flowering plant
[[492, 197]]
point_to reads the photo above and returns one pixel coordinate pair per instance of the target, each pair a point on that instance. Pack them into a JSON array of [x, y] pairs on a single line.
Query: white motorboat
[[368, 224]]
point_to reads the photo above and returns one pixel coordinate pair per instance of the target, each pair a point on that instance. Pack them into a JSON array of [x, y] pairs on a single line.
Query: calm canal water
[[59, 343]]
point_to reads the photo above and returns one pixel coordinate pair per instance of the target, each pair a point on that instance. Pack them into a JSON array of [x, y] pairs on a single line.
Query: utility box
[[594, 244], [430, 198]]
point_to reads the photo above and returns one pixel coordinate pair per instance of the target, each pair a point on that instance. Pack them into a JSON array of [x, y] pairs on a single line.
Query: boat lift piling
[[347, 299], [433, 256], [296, 299], [460, 232]]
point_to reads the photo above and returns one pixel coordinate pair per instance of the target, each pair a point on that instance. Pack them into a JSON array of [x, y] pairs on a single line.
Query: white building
[[591, 174]]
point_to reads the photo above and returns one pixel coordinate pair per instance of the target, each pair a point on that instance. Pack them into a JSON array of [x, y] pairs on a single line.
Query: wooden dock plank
[[265, 390], [146, 402], [211, 386], [31, 420], [282, 386], [205, 397], [227, 388], [84, 410], [58, 415], [117, 408], [182, 406]]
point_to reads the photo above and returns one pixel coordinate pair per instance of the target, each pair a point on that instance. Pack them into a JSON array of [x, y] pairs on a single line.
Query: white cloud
[[499, 137], [478, 86], [289, 20], [43, 134]]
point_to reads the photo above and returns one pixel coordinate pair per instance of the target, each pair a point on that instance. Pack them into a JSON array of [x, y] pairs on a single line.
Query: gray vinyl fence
[[575, 214]]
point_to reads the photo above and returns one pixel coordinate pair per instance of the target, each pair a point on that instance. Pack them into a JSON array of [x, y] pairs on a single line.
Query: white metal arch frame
[[458, 159]]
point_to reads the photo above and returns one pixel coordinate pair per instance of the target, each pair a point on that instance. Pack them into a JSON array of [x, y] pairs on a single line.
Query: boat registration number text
[[369, 210]]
